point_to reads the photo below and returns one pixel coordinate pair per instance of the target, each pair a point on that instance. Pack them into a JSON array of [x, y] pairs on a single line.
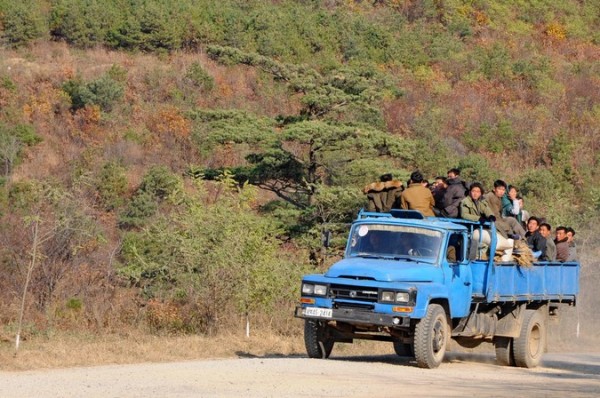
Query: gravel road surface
[[461, 375]]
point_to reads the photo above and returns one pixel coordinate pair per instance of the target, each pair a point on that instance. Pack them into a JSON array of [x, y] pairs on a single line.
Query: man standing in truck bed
[[454, 194], [418, 197]]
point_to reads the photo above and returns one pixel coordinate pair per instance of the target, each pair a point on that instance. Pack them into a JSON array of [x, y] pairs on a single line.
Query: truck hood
[[386, 270]]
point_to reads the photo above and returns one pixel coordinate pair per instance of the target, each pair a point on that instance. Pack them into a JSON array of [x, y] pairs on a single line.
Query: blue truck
[[419, 281]]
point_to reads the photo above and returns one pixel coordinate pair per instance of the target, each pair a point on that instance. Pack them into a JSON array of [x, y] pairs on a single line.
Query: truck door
[[458, 276]]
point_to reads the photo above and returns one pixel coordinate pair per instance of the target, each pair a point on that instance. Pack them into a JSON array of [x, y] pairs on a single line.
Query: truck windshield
[[394, 242]]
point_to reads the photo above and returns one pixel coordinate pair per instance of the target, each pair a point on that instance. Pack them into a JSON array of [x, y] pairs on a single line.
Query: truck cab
[[415, 281]]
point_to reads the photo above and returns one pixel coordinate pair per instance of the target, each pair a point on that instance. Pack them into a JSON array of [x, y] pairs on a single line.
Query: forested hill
[[179, 159]]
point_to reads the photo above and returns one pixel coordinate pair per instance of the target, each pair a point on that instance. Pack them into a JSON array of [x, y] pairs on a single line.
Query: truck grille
[[354, 293]]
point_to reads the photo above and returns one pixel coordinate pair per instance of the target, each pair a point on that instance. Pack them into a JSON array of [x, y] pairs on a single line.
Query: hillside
[[169, 166]]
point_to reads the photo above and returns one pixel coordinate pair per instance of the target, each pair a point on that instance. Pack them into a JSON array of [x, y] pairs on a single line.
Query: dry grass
[[69, 350]]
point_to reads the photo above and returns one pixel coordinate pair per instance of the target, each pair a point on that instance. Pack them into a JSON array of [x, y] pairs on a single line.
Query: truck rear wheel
[[317, 341], [504, 351], [529, 346], [431, 337]]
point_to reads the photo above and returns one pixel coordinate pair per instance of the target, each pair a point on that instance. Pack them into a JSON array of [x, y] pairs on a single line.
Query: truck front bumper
[[358, 317]]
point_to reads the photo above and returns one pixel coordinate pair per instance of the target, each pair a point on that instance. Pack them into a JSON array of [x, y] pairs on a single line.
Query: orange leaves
[[42, 103], [169, 122], [481, 18], [556, 31], [86, 121]]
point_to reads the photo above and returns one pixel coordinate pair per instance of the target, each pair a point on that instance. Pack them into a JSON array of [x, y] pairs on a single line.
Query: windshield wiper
[[368, 255]]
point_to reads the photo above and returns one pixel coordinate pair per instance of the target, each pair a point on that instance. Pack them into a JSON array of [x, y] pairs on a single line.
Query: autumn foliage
[[182, 158]]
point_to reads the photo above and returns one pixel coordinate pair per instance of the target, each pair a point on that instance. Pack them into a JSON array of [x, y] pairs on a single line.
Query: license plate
[[320, 312]]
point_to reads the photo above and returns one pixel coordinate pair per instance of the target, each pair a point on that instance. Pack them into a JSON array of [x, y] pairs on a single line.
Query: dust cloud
[[577, 329]]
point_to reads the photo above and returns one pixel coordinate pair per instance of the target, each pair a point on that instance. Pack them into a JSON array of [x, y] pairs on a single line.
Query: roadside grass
[[70, 349], [63, 350]]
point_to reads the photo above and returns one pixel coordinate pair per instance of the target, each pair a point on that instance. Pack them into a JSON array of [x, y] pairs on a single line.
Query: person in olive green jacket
[[384, 195], [474, 206], [418, 197]]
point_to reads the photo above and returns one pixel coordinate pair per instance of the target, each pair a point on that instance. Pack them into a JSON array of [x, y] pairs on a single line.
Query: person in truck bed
[[535, 240], [384, 195], [475, 208], [508, 227], [572, 246], [562, 244], [454, 194], [417, 197], [546, 231]]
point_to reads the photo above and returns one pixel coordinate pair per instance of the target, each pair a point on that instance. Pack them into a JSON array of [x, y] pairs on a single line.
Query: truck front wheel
[[431, 337], [529, 347], [317, 341]]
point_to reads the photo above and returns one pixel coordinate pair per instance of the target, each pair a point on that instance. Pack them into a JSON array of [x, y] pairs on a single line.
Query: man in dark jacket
[[438, 189], [535, 240], [455, 192]]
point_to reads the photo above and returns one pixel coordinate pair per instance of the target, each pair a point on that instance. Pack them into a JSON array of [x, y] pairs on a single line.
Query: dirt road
[[464, 375]]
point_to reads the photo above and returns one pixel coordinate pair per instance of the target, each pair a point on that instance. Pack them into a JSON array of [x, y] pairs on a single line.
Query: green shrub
[[497, 138], [220, 253], [21, 22], [7, 83], [27, 135], [112, 186], [142, 206], [494, 62], [83, 23], [159, 182], [103, 92], [149, 26], [475, 167], [157, 185], [22, 195], [199, 77], [74, 304]]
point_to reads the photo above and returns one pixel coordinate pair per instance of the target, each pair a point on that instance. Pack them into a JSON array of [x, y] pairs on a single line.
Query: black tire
[[404, 349], [529, 347], [504, 351], [431, 337], [317, 341]]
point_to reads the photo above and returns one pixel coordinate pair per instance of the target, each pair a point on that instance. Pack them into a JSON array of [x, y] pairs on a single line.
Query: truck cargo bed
[[552, 281]]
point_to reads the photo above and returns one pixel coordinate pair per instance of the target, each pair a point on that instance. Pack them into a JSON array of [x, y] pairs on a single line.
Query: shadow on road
[[579, 365], [573, 366]]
